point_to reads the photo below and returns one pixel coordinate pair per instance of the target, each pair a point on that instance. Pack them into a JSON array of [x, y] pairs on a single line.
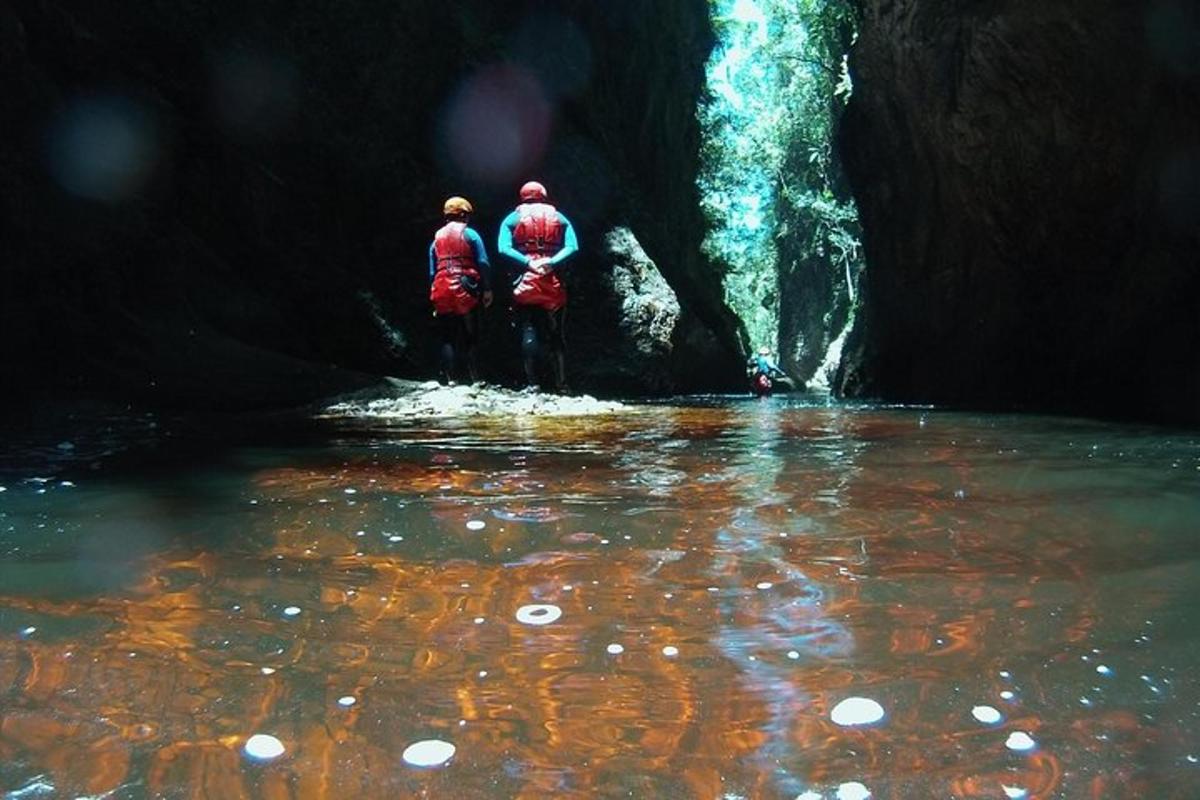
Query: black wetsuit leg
[[527, 329], [472, 321], [556, 341], [453, 343]]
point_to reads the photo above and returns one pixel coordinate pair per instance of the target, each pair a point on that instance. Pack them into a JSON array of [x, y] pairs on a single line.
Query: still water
[[671, 602]]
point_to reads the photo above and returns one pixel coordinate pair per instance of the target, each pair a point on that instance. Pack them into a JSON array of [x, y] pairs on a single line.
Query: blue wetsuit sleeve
[[481, 259], [432, 264], [570, 242], [504, 245]]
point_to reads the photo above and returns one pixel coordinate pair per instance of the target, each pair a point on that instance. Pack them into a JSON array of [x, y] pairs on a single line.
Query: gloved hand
[[539, 265]]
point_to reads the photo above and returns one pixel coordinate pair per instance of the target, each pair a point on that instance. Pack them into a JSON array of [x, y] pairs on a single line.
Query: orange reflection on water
[[791, 568]]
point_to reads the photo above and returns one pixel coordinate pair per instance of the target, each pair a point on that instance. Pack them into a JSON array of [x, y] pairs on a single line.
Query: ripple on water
[[538, 614]]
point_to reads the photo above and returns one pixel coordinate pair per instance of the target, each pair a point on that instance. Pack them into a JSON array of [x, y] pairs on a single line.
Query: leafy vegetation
[[771, 184]]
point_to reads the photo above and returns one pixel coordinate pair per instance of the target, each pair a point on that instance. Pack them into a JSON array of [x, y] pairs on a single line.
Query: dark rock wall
[[254, 229], [1028, 175]]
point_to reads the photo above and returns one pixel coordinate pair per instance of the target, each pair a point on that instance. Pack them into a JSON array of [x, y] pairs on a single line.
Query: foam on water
[[476, 525], [347, 701], [987, 715], [670, 651], [853, 790], [615, 649], [857, 711], [263, 747], [428, 753], [1020, 741]]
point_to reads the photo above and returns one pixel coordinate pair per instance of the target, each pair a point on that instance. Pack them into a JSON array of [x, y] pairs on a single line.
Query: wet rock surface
[[1028, 176], [398, 399]]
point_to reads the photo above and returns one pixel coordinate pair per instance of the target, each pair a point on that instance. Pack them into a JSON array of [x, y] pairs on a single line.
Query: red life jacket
[[539, 233], [454, 261]]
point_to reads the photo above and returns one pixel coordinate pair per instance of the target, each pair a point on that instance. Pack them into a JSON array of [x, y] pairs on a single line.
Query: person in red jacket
[[459, 281], [537, 238]]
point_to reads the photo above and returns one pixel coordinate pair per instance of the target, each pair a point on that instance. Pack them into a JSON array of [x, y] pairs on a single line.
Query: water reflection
[[721, 578]]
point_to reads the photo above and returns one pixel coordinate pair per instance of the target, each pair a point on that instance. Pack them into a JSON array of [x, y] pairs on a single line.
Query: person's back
[[537, 239], [459, 279]]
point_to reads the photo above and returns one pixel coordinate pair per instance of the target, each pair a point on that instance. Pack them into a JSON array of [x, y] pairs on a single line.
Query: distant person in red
[[763, 372], [459, 280], [537, 239]]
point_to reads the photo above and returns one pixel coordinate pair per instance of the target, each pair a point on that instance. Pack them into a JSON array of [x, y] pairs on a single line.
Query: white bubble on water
[[1007, 695], [670, 651], [479, 620], [350, 491], [476, 525], [765, 585], [395, 538], [810, 794], [987, 715], [263, 747], [1014, 792], [793, 654], [1103, 670], [538, 614], [27, 632], [428, 753], [267, 670], [291, 611], [1005, 674], [347, 701], [1020, 741], [615, 649], [857, 711], [853, 790]]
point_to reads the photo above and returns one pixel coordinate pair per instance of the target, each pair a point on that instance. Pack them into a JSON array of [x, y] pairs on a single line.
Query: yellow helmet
[[457, 205]]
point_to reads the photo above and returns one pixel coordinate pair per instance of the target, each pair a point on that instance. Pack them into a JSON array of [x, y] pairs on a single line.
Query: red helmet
[[533, 192]]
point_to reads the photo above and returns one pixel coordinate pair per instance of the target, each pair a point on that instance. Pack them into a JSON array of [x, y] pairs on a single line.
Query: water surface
[[727, 573]]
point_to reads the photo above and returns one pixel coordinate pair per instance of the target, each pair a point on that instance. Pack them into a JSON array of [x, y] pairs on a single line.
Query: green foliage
[[770, 180]]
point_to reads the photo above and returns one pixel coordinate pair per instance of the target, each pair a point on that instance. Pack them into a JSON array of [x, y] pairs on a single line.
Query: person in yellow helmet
[[459, 282]]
